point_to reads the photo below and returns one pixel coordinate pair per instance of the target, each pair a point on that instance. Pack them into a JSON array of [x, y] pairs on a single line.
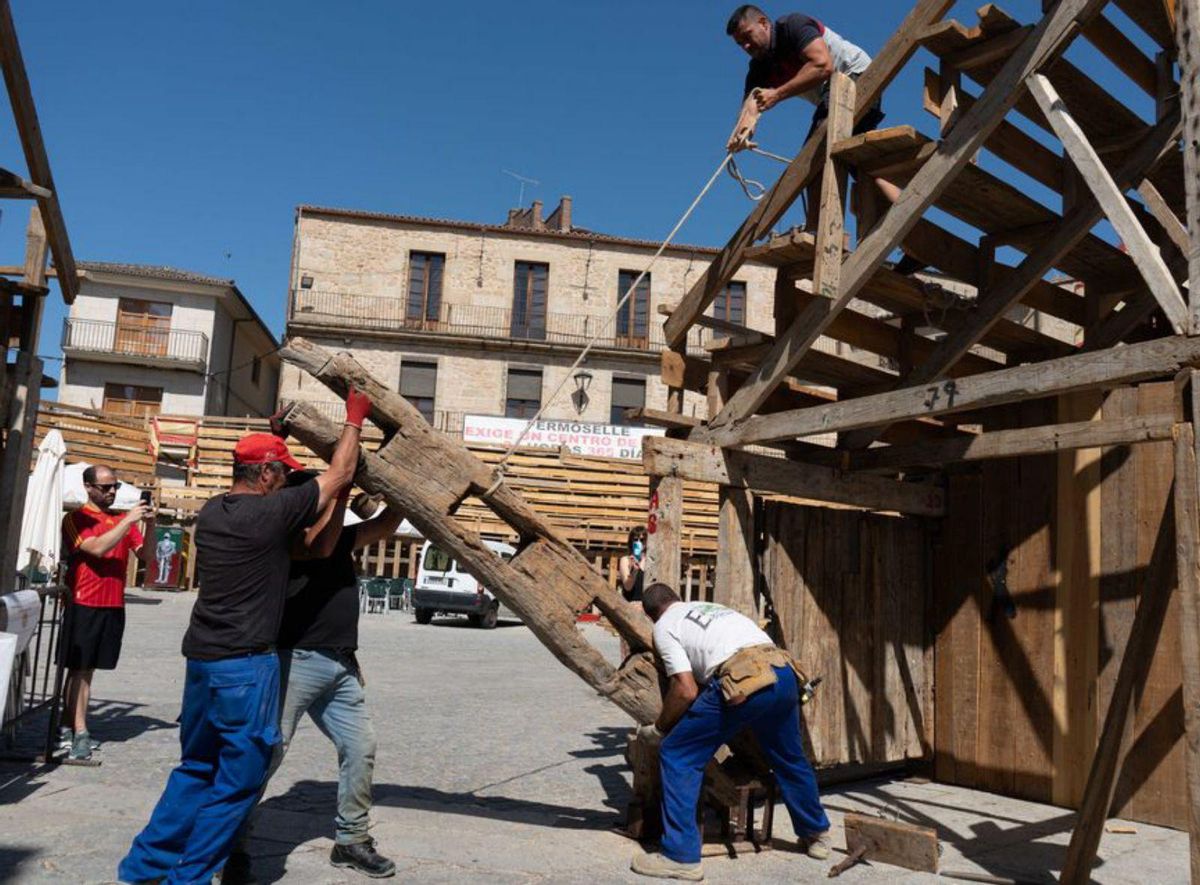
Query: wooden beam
[[1042, 46], [1116, 46], [1015, 443], [884, 67], [734, 583], [20, 97], [1007, 292], [831, 220], [892, 842], [1112, 200], [664, 559], [1187, 528], [761, 473], [1188, 40], [1136, 362], [1113, 746], [1166, 217]]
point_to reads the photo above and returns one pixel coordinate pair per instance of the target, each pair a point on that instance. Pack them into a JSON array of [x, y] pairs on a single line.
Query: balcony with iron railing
[[146, 345], [382, 313]]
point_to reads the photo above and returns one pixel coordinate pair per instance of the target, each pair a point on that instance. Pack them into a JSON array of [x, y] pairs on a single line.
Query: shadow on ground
[[310, 805]]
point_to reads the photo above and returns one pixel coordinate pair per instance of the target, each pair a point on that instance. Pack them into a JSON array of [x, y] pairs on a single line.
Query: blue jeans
[[227, 735], [326, 687], [773, 714]]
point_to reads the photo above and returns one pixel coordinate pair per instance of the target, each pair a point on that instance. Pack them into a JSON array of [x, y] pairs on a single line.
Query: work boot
[[362, 857], [237, 869], [659, 866], [81, 747], [816, 847]]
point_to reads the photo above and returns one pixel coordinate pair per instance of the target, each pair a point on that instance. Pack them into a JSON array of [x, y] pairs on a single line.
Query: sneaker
[[81, 747], [817, 847], [659, 866], [362, 857], [66, 737], [237, 870]]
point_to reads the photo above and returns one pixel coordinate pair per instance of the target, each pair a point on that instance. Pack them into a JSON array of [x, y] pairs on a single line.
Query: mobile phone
[[147, 499]]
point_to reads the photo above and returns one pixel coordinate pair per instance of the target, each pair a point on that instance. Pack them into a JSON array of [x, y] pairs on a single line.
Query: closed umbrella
[[41, 525]]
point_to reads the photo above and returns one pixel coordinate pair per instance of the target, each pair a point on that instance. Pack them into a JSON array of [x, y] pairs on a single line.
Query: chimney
[[560, 218], [536, 220]]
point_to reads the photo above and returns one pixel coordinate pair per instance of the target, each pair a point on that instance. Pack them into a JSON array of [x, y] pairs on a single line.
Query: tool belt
[[752, 669]]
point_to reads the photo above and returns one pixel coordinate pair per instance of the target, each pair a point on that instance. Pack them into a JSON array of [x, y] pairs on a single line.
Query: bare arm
[[627, 571], [378, 529], [101, 544], [345, 457], [681, 691], [320, 539], [817, 68]]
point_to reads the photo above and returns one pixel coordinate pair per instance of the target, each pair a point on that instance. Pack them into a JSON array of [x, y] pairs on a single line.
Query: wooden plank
[[1187, 527], [1015, 443], [734, 585], [1076, 604], [1136, 362], [1135, 664], [20, 97], [892, 842], [1112, 200], [1153, 17], [831, 222], [884, 67], [1116, 46], [955, 151], [670, 457], [1165, 216], [663, 548]]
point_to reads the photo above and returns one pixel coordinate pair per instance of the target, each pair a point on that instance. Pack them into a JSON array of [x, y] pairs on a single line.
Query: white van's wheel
[[489, 618], [423, 615]]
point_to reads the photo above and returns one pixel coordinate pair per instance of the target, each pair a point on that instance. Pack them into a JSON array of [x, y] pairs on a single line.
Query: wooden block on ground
[[892, 842]]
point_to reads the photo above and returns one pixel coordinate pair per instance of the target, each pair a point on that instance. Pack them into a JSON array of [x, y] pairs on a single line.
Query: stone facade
[[351, 278], [210, 330]]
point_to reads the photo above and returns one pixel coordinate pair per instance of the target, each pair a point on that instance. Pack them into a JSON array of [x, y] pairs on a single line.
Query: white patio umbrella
[[41, 524]]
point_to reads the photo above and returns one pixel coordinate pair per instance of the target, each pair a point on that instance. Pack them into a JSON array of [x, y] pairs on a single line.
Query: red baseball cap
[[262, 448]]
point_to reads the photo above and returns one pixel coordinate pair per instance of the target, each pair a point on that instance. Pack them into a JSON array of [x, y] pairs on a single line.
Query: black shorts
[[90, 638]]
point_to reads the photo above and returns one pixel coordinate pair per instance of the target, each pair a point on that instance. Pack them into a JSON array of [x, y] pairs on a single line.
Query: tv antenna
[[532, 182]]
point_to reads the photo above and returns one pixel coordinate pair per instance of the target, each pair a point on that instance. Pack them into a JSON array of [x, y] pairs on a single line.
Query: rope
[[755, 190], [612, 318]]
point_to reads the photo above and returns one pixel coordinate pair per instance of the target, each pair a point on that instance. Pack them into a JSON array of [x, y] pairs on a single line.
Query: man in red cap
[[229, 722]]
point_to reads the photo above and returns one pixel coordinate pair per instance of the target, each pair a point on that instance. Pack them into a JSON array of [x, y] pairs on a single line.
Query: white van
[[444, 587]]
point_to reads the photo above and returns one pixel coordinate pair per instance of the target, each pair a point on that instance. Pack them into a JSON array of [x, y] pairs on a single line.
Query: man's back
[[243, 548], [700, 636]]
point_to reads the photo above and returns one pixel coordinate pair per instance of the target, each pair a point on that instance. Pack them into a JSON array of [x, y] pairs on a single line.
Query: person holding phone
[[97, 543], [629, 567]]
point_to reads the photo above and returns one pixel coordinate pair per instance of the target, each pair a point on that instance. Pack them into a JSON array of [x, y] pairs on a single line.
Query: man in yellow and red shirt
[[97, 543]]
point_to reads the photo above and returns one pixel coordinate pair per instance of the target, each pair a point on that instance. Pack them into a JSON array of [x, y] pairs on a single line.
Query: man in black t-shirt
[[320, 676], [229, 721], [795, 57]]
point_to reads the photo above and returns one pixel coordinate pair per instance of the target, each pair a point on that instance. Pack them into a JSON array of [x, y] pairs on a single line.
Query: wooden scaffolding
[[948, 375]]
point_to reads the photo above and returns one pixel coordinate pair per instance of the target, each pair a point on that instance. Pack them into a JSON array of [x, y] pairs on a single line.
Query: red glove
[[358, 407]]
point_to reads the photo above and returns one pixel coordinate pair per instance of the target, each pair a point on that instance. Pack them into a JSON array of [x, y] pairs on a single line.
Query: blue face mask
[[638, 549]]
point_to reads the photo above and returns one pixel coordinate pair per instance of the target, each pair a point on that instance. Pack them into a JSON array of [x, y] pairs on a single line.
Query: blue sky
[[187, 133]]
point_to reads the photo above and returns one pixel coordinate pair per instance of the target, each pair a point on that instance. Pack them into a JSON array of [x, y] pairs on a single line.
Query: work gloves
[[358, 407]]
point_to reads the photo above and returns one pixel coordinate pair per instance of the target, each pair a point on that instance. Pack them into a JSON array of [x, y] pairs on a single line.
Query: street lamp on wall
[[583, 380]]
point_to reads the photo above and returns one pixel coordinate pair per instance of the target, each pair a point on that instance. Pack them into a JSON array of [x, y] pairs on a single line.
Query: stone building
[[486, 319], [144, 340]]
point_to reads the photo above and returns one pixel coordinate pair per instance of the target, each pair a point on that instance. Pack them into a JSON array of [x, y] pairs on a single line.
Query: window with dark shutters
[[730, 305], [633, 319], [524, 393], [418, 385], [627, 393], [424, 289], [531, 281]]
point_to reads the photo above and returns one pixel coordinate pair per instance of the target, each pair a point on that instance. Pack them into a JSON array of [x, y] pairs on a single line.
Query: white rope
[[612, 318]]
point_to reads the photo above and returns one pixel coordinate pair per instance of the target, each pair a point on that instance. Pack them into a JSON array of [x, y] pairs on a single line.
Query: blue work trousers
[[228, 731], [773, 714], [325, 685]]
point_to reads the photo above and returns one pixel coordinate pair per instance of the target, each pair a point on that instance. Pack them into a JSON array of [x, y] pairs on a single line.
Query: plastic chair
[[377, 596]]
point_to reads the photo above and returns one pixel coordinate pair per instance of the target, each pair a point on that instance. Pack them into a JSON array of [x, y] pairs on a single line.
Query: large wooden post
[[25, 387], [664, 560], [1187, 532], [1187, 33]]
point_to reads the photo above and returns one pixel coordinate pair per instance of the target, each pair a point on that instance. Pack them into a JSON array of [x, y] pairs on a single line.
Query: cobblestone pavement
[[495, 765]]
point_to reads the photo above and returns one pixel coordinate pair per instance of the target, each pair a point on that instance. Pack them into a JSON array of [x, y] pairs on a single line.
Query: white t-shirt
[[701, 636]]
